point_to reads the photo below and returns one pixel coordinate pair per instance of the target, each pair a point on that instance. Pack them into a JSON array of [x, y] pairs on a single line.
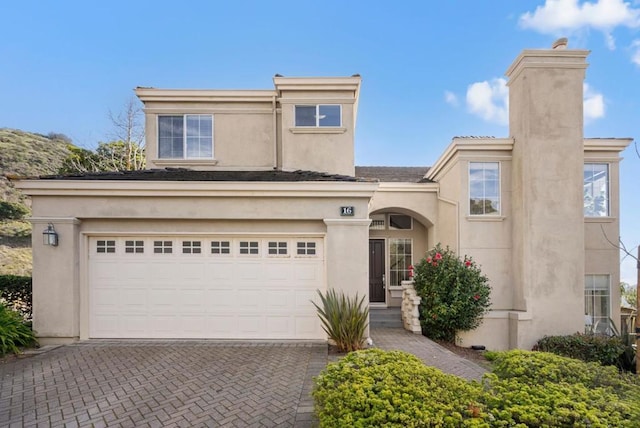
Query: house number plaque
[[347, 211]]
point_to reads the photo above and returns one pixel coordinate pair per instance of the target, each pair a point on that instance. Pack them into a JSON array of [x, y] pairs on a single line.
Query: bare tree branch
[[619, 246]]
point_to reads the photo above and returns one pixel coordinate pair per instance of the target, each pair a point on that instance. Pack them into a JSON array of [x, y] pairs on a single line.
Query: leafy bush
[[16, 292], [526, 389], [586, 347], [455, 294], [12, 210], [14, 332], [344, 319], [393, 389]]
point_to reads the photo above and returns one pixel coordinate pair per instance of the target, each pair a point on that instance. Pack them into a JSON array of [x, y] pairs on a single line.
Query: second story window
[[484, 188], [187, 136], [596, 190], [319, 115]]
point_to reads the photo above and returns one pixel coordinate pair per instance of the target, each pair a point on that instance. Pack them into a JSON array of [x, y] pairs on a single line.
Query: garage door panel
[[227, 294]]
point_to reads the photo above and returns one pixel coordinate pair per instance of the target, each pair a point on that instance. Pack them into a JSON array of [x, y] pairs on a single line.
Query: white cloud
[[635, 56], [451, 98], [593, 104], [558, 17], [489, 100]]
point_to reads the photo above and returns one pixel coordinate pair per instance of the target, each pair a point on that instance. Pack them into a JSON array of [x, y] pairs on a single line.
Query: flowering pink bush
[[455, 294]]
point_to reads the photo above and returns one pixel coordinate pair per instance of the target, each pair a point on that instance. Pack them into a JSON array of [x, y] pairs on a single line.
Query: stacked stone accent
[[410, 304]]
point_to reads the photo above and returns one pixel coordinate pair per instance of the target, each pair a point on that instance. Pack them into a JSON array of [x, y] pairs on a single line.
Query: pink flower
[[434, 264], [467, 263], [428, 259], [438, 256], [476, 297]]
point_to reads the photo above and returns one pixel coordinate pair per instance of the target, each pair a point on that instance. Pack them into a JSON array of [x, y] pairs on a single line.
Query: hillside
[[24, 154]]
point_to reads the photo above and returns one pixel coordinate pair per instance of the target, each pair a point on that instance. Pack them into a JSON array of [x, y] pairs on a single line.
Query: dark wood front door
[[376, 271]]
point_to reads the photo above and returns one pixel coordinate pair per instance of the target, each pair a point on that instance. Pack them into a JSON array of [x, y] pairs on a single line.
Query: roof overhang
[[203, 95]]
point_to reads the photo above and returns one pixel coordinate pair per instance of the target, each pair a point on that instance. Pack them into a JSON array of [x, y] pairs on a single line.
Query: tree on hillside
[[124, 153], [629, 294]]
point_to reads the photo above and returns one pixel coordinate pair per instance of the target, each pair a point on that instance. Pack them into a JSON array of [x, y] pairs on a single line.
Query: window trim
[[317, 117], [498, 213], [599, 217], [184, 157]]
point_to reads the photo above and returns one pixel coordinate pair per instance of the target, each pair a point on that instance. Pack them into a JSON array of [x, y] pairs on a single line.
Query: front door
[[376, 271]]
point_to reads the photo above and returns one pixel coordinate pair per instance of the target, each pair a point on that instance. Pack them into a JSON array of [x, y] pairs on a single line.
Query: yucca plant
[[14, 333], [344, 319]]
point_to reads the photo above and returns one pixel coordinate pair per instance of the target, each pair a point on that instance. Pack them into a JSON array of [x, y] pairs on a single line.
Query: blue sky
[[430, 70]]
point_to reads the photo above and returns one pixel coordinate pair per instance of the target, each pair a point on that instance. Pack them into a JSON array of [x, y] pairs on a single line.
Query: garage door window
[[105, 246], [306, 249], [131, 247], [249, 247], [277, 248], [220, 247], [162, 247], [191, 247]]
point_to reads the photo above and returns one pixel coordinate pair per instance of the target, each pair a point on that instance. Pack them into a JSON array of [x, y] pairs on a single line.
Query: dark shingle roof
[[183, 174], [397, 174]]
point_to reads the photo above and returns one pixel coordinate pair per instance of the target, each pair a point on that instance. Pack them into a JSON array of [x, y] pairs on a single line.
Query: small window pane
[[484, 188], [399, 222], [329, 115], [596, 190], [305, 115], [249, 247], [220, 247]]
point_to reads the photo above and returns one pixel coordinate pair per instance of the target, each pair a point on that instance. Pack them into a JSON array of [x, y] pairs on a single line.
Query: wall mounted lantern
[[50, 236]]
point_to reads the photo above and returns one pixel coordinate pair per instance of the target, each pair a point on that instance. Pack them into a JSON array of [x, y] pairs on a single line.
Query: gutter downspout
[[275, 132]]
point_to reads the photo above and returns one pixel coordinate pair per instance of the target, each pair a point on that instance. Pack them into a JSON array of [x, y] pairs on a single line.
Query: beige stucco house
[[251, 202]]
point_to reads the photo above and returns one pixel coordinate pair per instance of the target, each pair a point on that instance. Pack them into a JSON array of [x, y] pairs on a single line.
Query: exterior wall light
[[50, 236]]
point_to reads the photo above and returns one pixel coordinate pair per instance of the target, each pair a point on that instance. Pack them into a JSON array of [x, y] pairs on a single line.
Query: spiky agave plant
[[344, 319]]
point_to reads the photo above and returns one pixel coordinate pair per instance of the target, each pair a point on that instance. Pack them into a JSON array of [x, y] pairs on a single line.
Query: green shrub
[[526, 389], [344, 319], [12, 211], [14, 332], [455, 294], [16, 292], [586, 347], [392, 389]]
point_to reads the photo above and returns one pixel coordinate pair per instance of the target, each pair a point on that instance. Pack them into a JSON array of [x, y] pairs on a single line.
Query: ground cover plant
[[455, 294], [15, 333], [525, 389]]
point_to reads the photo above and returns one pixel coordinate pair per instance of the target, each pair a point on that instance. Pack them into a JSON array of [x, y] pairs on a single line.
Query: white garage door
[[205, 287]]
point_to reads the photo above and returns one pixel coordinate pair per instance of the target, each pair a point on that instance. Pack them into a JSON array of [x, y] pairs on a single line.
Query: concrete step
[[385, 317]]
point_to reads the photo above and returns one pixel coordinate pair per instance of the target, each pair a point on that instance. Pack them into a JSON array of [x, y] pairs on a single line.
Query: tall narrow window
[[400, 254], [484, 188], [596, 190], [597, 303], [320, 115], [185, 137]]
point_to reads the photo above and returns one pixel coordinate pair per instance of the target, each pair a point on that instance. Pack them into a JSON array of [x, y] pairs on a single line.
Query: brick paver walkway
[[162, 384], [428, 351]]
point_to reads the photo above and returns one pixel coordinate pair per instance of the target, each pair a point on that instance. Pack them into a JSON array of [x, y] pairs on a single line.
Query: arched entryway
[[397, 237]]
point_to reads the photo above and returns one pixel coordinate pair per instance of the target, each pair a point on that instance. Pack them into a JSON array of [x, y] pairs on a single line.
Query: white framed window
[[249, 247], [484, 188], [188, 136], [597, 303], [318, 115], [220, 247], [400, 222], [277, 248], [596, 190], [105, 246], [162, 247], [191, 247], [400, 258], [134, 247], [304, 248]]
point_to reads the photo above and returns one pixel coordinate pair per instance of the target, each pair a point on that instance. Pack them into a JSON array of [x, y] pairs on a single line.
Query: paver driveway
[[189, 383]]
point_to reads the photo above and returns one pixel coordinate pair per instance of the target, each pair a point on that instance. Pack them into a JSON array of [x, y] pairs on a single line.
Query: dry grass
[[15, 261]]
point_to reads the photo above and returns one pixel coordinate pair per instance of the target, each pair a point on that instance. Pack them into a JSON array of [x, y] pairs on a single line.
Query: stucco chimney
[[546, 123]]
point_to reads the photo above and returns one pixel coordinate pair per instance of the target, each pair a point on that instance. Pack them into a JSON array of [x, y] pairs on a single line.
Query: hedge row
[[16, 291], [526, 389]]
